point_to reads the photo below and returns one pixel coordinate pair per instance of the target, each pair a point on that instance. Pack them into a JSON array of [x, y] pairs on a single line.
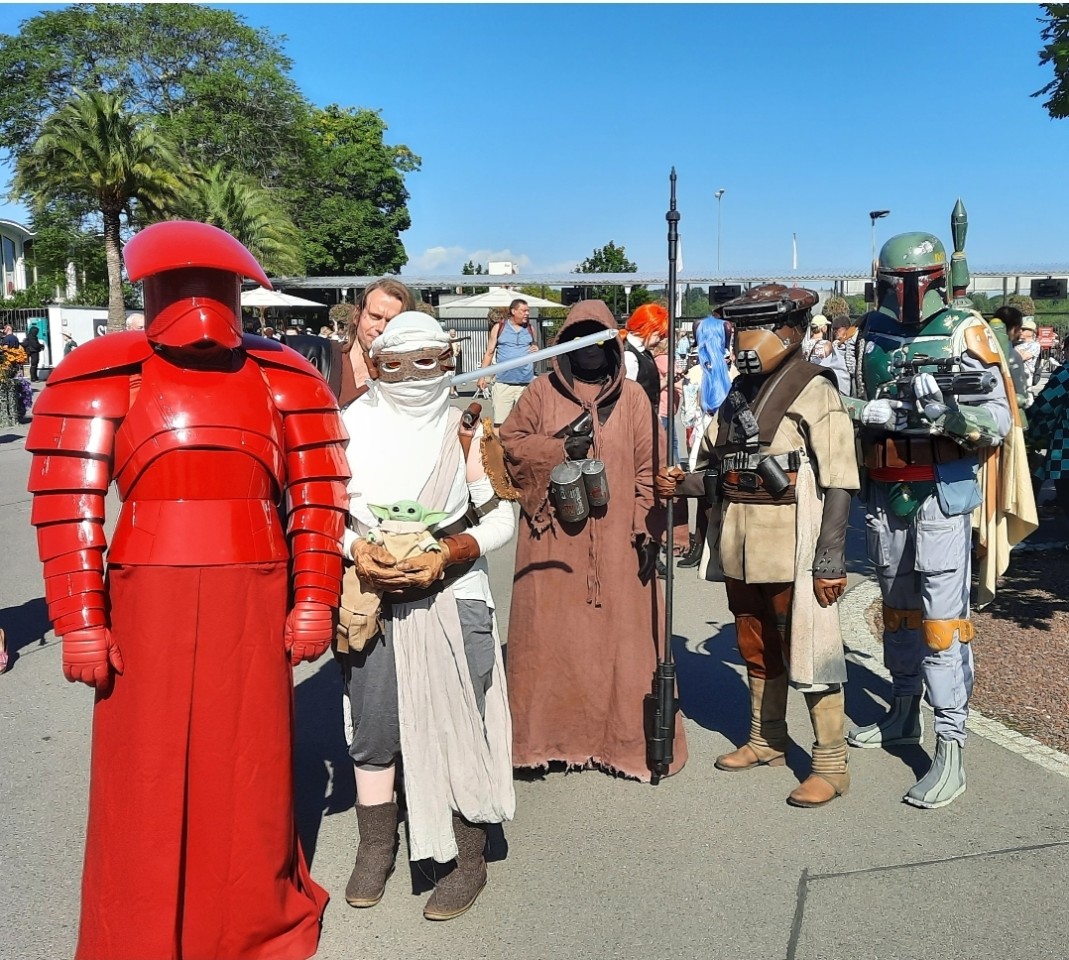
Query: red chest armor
[[198, 491]]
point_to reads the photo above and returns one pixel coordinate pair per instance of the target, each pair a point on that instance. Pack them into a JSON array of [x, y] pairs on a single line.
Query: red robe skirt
[[191, 847]]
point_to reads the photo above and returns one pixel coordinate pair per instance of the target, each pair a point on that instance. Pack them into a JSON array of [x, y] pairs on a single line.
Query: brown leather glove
[[375, 565], [665, 481], [422, 570], [460, 548], [828, 591]]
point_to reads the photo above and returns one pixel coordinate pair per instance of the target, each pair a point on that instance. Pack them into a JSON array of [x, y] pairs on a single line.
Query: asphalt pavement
[[705, 865]]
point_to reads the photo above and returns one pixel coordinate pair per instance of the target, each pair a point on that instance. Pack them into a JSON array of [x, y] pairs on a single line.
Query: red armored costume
[[222, 447]]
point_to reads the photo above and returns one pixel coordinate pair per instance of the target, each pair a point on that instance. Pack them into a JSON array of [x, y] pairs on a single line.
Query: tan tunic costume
[[757, 539], [583, 630]]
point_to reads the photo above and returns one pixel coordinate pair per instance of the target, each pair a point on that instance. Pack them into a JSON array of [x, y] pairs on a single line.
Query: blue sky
[[548, 130]]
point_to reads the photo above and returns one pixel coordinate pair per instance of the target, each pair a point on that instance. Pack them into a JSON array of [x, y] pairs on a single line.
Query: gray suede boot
[[901, 725], [457, 891], [945, 779], [375, 856]]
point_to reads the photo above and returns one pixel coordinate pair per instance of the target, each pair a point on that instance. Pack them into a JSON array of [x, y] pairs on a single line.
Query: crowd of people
[[361, 505]]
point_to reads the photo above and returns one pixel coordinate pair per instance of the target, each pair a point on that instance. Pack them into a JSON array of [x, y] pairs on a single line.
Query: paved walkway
[[707, 864]]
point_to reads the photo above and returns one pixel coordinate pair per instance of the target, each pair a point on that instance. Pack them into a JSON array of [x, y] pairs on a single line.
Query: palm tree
[[93, 151], [253, 214]]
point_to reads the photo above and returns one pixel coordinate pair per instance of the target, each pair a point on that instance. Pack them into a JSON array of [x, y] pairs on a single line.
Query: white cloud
[[448, 260], [437, 260]]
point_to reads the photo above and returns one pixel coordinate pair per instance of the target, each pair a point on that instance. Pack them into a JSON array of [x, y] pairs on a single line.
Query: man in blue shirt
[[510, 338]]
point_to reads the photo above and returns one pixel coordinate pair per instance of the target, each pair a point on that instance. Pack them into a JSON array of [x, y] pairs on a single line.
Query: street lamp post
[[875, 215], [627, 294], [719, 193]]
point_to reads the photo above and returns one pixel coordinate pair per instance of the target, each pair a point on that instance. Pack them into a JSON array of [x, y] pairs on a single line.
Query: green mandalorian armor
[[914, 320]]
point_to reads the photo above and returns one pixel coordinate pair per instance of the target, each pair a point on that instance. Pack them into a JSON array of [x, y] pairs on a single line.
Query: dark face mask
[[590, 363]]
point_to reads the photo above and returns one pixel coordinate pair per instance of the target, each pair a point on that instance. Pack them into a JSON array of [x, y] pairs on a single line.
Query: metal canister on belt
[[568, 492]]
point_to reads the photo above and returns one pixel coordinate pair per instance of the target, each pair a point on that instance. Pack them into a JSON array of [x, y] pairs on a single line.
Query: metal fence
[[20, 318]]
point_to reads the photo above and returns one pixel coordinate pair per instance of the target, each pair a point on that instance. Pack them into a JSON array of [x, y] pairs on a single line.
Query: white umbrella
[[499, 297], [263, 298]]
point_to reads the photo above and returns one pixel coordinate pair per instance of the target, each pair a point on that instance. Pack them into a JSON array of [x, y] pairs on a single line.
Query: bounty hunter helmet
[[770, 322], [911, 278]]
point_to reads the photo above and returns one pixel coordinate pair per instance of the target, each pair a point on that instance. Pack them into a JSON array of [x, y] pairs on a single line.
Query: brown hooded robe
[[583, 629]]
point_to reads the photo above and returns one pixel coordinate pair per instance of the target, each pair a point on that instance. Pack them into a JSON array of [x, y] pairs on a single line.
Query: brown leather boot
[[830, 777], [457, 891], [768, 728], [375, 856]]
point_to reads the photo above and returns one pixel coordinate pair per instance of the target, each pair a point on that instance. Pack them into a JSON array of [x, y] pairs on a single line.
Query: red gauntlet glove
[[90, 655], [309, 630]]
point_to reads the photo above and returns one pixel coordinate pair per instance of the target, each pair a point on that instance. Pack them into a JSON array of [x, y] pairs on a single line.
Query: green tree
[[61, 236], [696, 303], [836, 306], [473, 270], [95, 155], [237, 204], [351, 207], [857, 305], [613, 259], [219, 89], [1055, 33], [1025, 304]]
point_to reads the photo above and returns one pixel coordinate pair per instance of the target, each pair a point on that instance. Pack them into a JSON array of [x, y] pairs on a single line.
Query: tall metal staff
[[662, 703]]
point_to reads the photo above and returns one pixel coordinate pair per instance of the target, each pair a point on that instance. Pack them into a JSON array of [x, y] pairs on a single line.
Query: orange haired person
[[646, 329], [647, 326]]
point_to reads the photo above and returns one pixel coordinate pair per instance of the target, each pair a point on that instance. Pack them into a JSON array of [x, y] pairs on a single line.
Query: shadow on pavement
[[711, 691], [25, 626], [867, 699], [323, 774]]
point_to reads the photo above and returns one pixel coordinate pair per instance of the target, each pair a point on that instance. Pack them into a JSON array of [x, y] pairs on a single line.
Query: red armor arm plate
[[313, 430], [72, 438], [317, 474]]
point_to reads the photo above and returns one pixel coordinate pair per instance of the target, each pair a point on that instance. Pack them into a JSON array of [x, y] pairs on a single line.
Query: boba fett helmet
[[911, 278]]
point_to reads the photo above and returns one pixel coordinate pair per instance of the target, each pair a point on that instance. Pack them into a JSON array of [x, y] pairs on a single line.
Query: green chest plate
[[887, 342]]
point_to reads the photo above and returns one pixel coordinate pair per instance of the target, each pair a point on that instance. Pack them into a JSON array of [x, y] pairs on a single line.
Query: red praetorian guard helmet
[[192, 282]]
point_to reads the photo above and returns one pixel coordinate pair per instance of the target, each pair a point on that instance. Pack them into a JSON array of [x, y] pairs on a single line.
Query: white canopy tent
[[498, 297], [262, 298]]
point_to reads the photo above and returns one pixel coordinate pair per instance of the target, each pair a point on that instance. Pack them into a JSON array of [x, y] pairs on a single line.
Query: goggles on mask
[[425, 364]]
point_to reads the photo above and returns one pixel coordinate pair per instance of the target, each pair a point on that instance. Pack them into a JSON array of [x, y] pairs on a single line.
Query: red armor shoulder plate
[[101, 355], [295, 384], [104, 396]]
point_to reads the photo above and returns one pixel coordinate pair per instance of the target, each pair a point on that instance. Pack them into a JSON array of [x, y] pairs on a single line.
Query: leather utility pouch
[[745, 486], [359, 610]]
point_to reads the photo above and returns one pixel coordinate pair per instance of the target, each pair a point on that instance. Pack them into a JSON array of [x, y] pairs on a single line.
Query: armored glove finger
[[90, 655], [309, 630], [576, 448], [883, 413], [828, 590], [929, 396], [665, 481], [422, 570]]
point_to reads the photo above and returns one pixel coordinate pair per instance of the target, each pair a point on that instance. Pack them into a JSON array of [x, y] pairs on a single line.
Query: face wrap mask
[[424, 364]]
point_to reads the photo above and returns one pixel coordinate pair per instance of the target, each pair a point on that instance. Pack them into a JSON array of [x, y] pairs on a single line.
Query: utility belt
[[760, 478], [896, 453], [790, 461]]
